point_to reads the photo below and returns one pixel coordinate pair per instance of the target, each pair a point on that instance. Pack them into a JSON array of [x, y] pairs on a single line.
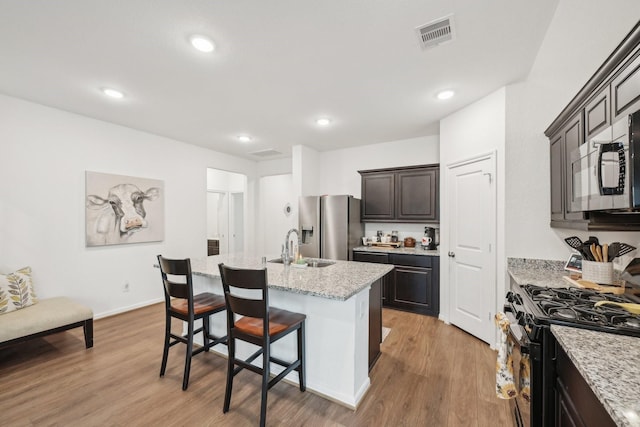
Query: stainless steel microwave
[[605, 170]]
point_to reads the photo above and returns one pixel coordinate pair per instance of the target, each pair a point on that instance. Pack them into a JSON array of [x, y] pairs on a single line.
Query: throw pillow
[[16, 290]]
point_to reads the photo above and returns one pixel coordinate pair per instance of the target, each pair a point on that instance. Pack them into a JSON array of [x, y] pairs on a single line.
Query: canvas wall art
[[123, 209]]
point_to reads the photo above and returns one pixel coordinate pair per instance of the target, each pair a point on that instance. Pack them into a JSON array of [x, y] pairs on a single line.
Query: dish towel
[[525, 377], [505, 385]]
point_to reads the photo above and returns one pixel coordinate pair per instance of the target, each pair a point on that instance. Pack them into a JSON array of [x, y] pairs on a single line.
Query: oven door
[[520, 407]]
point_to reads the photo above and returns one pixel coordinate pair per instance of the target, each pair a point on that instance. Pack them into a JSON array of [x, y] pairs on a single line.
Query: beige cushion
[[16, 291], [49, 313]]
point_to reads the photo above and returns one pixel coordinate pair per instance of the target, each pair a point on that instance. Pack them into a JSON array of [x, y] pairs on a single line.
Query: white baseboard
[[127, 308]]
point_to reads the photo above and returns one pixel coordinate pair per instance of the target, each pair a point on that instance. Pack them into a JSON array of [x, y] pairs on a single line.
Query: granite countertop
[[537, 272], [402, 250], [610, 364], [339, 281]]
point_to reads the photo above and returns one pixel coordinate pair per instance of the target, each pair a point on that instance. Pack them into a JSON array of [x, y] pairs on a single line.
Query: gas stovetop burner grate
[[575, 306]]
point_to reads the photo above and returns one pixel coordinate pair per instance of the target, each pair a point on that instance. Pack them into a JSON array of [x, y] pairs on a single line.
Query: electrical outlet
[[125, 287]]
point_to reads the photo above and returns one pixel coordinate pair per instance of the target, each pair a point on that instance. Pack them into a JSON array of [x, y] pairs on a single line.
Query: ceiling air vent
[[266, 153], [436, 32]]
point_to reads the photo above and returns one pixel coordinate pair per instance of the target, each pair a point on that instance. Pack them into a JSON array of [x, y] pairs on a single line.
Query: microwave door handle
[[614, 147]]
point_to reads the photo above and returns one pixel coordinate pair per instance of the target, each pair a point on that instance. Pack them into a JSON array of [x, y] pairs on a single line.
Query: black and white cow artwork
[[117, 217]]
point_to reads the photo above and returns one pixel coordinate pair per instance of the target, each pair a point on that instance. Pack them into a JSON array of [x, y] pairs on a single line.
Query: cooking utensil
[[605, 253], [593, 239], [614, 250], [586, 251], [599, 253], [631, 308], [574, 242], [625, 249], [594, 253]]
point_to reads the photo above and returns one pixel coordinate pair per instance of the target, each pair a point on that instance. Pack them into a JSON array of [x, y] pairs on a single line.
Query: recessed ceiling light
[[323, 121], [445, 94], [244, 138], [112, 93], [202, 43]]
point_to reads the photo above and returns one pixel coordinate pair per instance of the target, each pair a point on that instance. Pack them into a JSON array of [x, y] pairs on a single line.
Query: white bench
[[46, 317]]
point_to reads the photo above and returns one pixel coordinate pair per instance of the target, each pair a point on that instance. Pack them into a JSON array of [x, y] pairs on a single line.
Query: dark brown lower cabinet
[[375, 321], [414, 284], [576, 404]]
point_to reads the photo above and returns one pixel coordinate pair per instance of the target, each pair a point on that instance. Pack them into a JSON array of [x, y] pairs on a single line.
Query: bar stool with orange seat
[[261, 325], [180, 303]]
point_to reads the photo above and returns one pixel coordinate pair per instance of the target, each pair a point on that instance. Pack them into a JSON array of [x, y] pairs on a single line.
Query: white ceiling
[[278, 65]]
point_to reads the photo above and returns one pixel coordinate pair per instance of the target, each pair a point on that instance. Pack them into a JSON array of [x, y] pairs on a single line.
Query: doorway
[[472, 244], [225, 210]]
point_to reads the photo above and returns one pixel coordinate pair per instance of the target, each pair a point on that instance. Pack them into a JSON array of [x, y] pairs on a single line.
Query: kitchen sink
[[310, 262]]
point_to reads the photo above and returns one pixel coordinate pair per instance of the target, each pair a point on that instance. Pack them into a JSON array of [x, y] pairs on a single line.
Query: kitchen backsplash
[[404, 230]]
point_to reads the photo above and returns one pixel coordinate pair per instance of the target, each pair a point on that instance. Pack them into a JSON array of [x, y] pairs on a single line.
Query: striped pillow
[[16, 290]]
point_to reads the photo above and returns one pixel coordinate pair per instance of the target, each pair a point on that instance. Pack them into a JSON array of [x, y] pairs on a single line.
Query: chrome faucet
[[286, 257]]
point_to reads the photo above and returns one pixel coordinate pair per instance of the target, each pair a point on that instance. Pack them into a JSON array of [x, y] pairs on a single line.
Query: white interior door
[[472, 254], [236, 223]]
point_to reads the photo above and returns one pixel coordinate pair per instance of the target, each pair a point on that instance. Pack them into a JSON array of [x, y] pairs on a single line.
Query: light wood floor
[[429, 374]]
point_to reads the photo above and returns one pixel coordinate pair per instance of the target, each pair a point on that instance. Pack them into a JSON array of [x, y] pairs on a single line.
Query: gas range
[[532, 310], [536, 306]]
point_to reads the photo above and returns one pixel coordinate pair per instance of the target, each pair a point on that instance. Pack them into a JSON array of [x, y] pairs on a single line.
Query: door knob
[[452, 254]]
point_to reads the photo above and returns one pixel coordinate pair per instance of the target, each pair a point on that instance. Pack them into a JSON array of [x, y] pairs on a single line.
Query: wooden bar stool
[[182, 304], [260, 325]]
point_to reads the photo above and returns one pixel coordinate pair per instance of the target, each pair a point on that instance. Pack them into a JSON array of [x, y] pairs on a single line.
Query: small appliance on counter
[[429, 238], [409, 242]]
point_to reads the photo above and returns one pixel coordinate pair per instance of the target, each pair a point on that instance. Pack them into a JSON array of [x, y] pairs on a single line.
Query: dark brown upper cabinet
[[562, 144], [378, 192], [626, 89], [597, 113], [408, 194], [610, 94]]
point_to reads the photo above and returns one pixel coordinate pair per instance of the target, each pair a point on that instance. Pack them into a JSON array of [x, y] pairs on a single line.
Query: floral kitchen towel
[[505, 385], [525, 377]]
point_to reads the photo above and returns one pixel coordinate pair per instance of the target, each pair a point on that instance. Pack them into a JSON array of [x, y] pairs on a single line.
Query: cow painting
[[119, 215]]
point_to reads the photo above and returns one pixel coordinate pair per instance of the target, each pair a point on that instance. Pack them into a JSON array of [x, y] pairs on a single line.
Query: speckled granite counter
[[537, 272], [611, 368], [339, 281], [405, 251]]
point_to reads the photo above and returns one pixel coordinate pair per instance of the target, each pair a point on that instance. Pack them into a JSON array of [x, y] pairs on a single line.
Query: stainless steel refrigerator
[[330, 226]]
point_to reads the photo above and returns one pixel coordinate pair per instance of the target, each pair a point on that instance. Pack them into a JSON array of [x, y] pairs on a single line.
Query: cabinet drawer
[[411, 260], [625, 90], [371, 257]]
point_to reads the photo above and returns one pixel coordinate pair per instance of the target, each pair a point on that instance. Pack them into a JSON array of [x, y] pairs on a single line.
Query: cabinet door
[[378, 202], [417, 195], [565, 412], [557, 180], [597, 113], [625, 90], [573, 137], [576, 403], [412, 289], [375, 321]]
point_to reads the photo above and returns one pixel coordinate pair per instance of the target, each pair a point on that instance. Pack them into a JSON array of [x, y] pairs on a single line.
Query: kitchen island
[[336, 301]]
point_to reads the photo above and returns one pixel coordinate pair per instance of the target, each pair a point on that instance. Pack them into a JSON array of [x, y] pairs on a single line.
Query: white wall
[[45, 154], [581, 36], [339, 172], [273, 223], [475, 130], [339, 168]]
